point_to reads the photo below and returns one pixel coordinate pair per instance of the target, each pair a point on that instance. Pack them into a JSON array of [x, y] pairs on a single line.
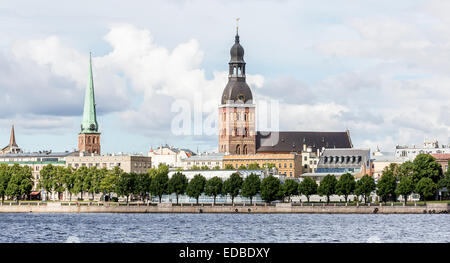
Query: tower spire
[[89, 123], [12, 139]]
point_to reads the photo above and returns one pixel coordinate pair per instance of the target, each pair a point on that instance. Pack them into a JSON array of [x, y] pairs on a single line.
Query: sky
[[380, 69]]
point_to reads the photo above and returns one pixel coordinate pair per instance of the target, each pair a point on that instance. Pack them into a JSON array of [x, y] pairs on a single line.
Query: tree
[[365, 186], [216, 167], [204, 167], [69, 181], [195, 168], [229, 167], [405, 169], [109, 182], [251, 186], [386, 187], [196, 186], [327, 186], [242, 167], [426, 188], [160, 182], [346, 185], [97, 176], [143, 182], [214, 187], [46, 179], [290, 188], [270, 189], [425, 165], [178, 184], [405, 187], [125, 184], [307, 187], [21, 182], [59, 181], [268, 166], [81, 182], [5, 176], [253, 166], [232, 185]]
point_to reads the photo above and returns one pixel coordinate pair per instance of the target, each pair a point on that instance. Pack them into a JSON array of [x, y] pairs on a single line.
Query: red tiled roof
[[441, 156]]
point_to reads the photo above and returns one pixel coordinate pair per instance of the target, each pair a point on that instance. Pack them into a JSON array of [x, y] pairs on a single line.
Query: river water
[[206, 228]]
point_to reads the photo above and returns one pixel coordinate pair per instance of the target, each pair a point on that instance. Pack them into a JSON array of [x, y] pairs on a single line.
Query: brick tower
[[237, 111], [89, 137]]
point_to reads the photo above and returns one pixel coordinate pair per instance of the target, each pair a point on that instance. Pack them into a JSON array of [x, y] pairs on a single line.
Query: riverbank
[[61, 207]]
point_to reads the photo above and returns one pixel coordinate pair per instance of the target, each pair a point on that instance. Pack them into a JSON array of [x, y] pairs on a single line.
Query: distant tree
[[195, 168], [214, 187], [253, 166], [216, 167], [82, 182], [229, 167], [178, 184], [327, 186], [251, 186], [346, 185], [143, 182], [365, 186], [232, 185], [242, 167], [444, 182], [110, 181], [307, 187], [69, 181], [268, 166], [196, 186], [290, 188], [46, 179], [160, 182], [426, 188], [126, 185], [21, 182], [405, 169], [5, 176], [204, 167], [270, 189], [386, 187], [59, 180], [405, 187], [425, 165]]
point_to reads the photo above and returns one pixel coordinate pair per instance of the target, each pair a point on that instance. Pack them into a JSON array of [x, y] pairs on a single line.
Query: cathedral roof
[[89, 123]]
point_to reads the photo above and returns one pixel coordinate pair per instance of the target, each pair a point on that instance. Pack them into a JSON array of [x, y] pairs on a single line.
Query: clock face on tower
[[92, 127], [241, 97]]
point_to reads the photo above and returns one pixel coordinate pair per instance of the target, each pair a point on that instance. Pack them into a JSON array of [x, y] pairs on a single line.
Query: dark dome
[[237, 90], [237, 52]]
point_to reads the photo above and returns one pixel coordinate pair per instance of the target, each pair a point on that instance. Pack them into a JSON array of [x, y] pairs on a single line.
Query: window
[[285, 166], [290, 174], [306, 158], [279, 165], [290, 165]]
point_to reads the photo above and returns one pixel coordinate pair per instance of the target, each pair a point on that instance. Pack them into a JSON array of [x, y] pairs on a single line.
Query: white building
[[212, 160], [169, 155], [409, 153], [310, 159]]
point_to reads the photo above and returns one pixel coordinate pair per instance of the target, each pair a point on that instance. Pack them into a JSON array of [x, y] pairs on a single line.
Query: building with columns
[[89, 136]]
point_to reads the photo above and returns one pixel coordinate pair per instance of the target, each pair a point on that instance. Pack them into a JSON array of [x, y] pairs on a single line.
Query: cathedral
[[12, 147], [237, 135]]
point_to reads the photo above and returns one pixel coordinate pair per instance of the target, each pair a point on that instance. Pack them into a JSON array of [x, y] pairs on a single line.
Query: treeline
[[251, 166], [16, 182]]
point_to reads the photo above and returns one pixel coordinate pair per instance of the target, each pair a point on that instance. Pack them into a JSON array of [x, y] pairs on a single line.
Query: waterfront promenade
[[66, 207]]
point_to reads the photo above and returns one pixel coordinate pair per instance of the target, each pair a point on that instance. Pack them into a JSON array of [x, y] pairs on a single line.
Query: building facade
[[212, 160], [443, 159], [128, 163], [289, 165], [409, 153], [170, 156], [89, 136]]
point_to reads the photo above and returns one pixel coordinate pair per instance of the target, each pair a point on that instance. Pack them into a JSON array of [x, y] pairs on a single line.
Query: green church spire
[[89, 123]]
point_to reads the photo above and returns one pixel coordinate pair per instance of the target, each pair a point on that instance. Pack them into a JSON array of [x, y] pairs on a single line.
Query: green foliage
[[307, 187], [445, 181], [204, 167], [386, 186], [233, 185], [253, 166], [143, 182], [229, 167], [20, 183], [5, 176], [126, 184], [178, 184], [216, 167], [69, 181], [242, 167], [251, 186], [270, 189], [365, 186], [46, 179], [268, 166], [346, 185], [196, 186], [160, 181], [405, 187], [290, 188], [426, 188], [214, 187], [109, 182], [327, 186], [426, 166], [405, 169], [195, 168]]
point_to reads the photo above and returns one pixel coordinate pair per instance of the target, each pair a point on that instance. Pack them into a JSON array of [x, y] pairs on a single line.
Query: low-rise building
[[310, 159], [289, 165], [409, 153], [443, 159], [212, 160], [381, 160], [128, 163], [169, 155]]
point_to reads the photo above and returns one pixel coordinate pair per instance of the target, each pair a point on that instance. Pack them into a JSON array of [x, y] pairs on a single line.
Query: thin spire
[[89, 123], [12, 139], [237, 30]]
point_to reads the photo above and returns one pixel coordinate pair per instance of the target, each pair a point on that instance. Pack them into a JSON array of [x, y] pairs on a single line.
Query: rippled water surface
[[205, 228]]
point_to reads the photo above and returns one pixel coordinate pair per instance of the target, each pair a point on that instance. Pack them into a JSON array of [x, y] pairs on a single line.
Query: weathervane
[[237, 25]]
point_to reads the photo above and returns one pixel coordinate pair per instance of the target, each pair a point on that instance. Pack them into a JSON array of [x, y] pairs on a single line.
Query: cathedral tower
[[89, 137], [237, 111]]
